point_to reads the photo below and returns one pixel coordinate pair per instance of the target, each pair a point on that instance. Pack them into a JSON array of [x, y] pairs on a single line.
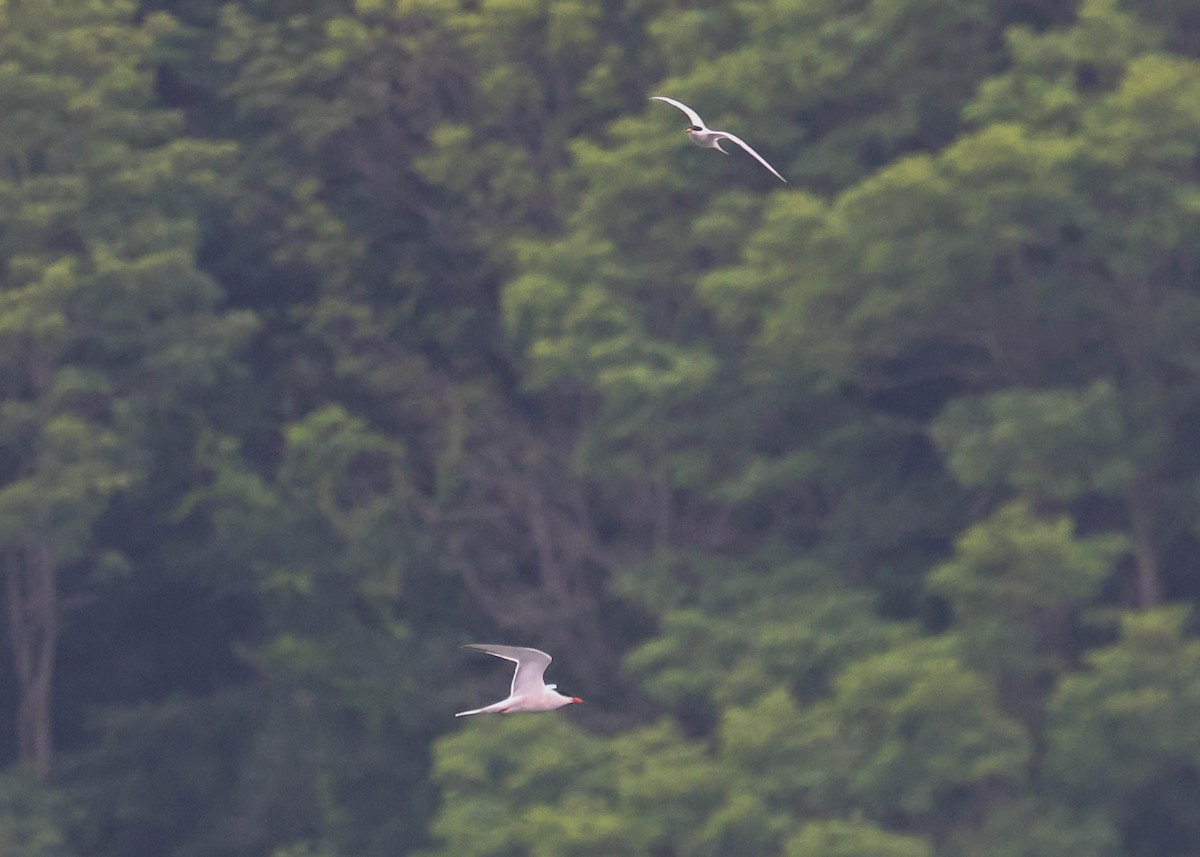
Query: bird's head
[[692, 129]]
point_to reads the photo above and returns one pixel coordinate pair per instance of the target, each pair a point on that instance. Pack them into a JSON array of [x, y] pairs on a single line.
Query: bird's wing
[[725, 135], [692, 114], [531, 665]]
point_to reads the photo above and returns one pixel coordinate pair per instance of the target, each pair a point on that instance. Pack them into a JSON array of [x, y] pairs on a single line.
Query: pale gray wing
[[531, 665], [691, 114], [725, 135]]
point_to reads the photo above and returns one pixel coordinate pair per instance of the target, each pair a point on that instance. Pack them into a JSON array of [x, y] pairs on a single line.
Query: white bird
[[706, 138], [529, 691]]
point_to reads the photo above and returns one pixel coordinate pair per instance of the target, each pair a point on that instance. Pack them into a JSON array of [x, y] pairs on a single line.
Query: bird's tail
[[472, 711]]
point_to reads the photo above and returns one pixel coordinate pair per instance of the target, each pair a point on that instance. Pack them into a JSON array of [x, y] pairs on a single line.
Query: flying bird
[[529, 691], [706, 138]]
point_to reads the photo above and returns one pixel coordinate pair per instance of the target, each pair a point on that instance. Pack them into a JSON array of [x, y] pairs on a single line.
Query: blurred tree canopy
[[863, 511]]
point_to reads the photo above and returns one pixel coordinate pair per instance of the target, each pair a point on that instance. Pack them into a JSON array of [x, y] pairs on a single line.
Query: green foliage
[[917, 728], [864, 82], [805, 629], [1015, 582], [129, 779], [1121, 736], [1057, 72], [107, 325], [560, 812], [104, 318], [336, 333], [1042, 826], [1059, 444], [853, 839], [1130, 715], [909, 731], [30, 819]]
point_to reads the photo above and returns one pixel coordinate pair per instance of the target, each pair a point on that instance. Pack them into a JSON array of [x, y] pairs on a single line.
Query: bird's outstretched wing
[[725, 135], [691, 114], [531, 665]]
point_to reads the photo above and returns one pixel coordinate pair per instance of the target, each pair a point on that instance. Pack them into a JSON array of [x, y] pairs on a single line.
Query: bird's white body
[[529, 692], [708, 138]]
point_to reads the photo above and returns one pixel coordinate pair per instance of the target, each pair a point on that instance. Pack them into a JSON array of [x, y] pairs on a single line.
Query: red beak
[[576, 699]]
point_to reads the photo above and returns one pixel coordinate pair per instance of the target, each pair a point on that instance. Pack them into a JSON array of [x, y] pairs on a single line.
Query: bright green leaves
[[806, 629], [65, 62], [567, 40], [342, 461], [105, 321], [1132, 714], [1015, 583], [340, 107], [1015, 561], [743, 295], [1057, 72], [72, 469], [103, 314], [836, 68], [325, 546], [996, 291], [356, 480], [815, 490], [909, 734], [1059, 444], [999, 235], [536, 76], [576, 322], [853, 839], [1122, 735], [334, 528], [1143, 146], [928, 259], [538, 786], [917, 730]]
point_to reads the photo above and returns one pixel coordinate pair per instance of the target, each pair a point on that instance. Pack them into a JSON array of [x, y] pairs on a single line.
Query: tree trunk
[[32, 591], [1145, 558]]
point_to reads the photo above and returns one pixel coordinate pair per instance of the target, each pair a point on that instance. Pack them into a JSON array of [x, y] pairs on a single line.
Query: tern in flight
[[529, 691], [706, 138]]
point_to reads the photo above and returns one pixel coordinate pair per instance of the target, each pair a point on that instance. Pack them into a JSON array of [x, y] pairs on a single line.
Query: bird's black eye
[[693, 127]]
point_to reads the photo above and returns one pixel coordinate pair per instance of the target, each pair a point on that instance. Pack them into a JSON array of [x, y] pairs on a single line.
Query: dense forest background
[[863, 511]]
